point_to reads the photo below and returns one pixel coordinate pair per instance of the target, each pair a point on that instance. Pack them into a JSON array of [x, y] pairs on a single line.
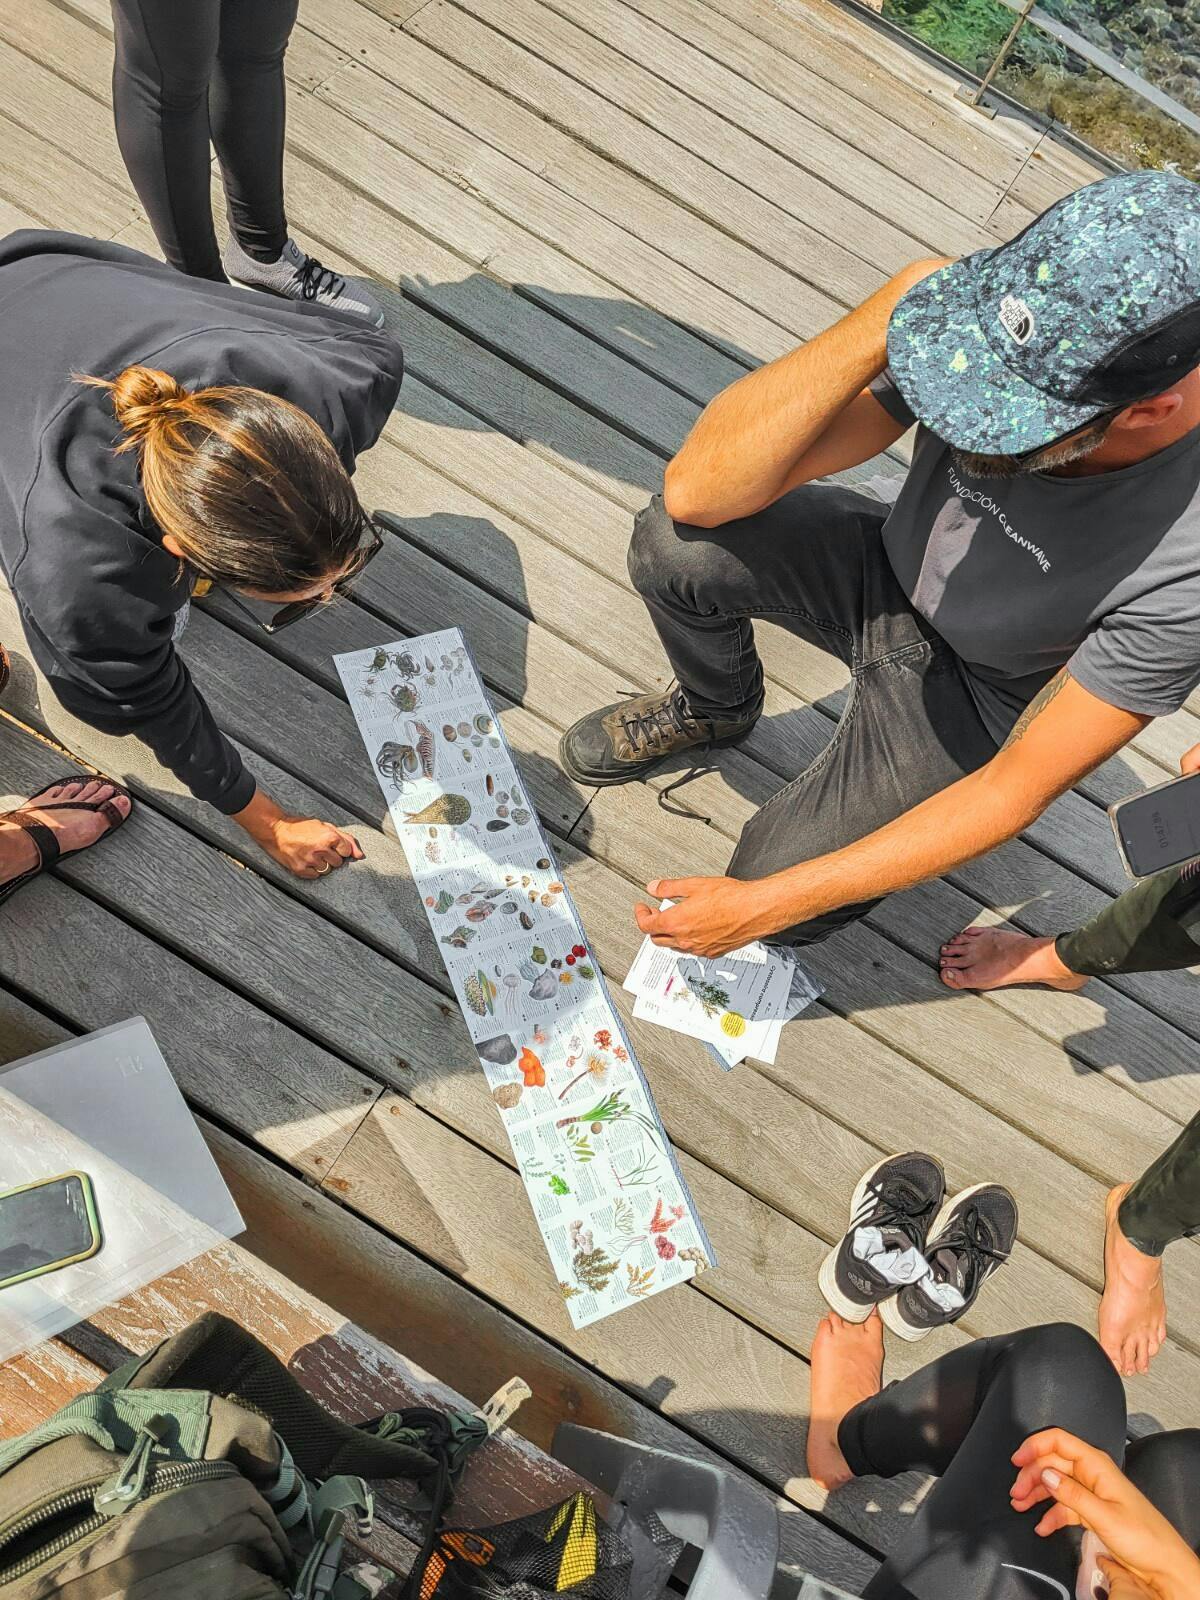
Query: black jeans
[[815, 563], [188, 71], [962, 1417]]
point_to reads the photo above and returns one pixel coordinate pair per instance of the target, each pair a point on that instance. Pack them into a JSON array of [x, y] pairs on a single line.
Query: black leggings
[[962, 1417], [188, 71]]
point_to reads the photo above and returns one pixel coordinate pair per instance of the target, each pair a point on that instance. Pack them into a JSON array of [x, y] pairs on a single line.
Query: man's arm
[[1064, 734], [798, 418]]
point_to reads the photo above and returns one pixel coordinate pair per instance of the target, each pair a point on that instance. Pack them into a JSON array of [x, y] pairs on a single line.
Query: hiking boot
[[883, 1248], [297, 276], [625, 741], [969, 1239]]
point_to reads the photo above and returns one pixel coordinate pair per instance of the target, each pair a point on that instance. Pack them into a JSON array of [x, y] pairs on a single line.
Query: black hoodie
[[97, 593]]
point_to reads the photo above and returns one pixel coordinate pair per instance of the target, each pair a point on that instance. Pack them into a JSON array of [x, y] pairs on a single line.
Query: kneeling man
[[1028, 604]]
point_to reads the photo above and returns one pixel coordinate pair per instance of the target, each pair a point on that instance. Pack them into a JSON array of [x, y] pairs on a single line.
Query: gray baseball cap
[[1095, 305]]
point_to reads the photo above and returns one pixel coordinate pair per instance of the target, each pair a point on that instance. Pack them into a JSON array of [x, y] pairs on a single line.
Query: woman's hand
[[1087, 1489], [304, 845]]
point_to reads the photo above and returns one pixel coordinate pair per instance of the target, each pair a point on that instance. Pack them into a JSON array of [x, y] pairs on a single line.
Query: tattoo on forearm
[[1037, 705]]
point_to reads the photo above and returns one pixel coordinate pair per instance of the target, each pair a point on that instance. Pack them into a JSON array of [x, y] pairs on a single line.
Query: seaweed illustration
[[593, 1269], [697, 1258], [711, 996], [638, 1283], [613, 1108], [580, 1146], [640, 1175]]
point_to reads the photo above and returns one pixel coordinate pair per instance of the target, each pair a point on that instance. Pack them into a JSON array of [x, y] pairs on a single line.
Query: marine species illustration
[[480, 912], [482, 724], [543, 986], [499, 1050], [397, 762], [404, 697], [449, 732], [733, 1024], [532, 1069], [520, 816], [497, 826], [443, 902], [508, 1095], [404, 663], [511, 1002], [480, 993], [459, 939], [422, 745], [449, 810]]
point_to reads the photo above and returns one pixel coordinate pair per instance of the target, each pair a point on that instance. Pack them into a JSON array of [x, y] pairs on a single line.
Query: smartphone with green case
[[47, 1225]]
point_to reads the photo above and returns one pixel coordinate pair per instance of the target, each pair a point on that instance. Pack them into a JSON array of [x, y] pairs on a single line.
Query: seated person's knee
[[1064, 1354], [653, 549]]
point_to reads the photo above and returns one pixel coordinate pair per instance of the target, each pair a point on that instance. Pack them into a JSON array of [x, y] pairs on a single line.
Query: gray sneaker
[[625, 741], [297, 276]]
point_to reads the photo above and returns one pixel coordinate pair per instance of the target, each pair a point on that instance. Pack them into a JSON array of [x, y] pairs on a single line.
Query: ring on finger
[[321, 871]]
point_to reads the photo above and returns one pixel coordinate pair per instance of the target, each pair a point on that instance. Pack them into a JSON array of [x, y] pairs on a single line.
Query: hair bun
[[143, 397]]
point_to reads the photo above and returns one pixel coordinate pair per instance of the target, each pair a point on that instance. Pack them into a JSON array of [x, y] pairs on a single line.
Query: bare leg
[[993, 958], [75, 829], [1133, 1311], [847, 1368]]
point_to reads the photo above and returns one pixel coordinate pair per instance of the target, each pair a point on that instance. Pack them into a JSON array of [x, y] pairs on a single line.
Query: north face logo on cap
[[1016, 319]]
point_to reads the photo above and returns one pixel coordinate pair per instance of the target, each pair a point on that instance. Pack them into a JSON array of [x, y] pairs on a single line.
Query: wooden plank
[[863, 125], [36, 176], [1050, 172], [641, 51], [662, 290], [568, 105], [876, 70], [403, 1300]]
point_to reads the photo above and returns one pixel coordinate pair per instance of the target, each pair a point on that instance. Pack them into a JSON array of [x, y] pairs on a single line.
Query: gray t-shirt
[[1022, 576]]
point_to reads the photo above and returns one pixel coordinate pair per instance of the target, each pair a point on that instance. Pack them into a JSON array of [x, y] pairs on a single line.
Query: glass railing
[[1123, 77]]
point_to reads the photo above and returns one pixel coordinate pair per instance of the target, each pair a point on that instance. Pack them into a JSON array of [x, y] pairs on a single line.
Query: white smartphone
[[1160, 828]]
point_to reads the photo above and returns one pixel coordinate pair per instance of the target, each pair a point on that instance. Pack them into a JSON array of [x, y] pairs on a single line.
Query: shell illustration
[[449, 733], [404, 697], [497, 826], [459, 939], [543, 986], [450, 809], [490, 784], [443, 902], [528, 971], [464, 728], [526, 920], [544, 864], [480, 992], [499, 1050], [520, 816], [482, 723], [481, 912], [422, 744], [507, 1095]]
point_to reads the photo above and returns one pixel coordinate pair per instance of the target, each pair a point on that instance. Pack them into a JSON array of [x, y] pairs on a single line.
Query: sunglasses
[[369, 546]]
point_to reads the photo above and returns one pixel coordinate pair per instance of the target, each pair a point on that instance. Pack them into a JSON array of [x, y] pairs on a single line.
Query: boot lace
[[316, 279], [896, 1207], [654, 727]]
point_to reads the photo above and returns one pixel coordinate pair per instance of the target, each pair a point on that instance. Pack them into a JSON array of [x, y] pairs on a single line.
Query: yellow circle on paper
[[733, 1024]]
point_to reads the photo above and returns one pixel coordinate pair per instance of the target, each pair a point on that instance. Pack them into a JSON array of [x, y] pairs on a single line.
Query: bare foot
[[1133, 1311], [847, 1366], [993, 958], [75, 829]]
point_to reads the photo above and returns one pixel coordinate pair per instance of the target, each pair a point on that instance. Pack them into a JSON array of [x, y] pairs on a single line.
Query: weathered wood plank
[[861, 125], [37, 176], [644, 50], [876, 70], [707, 190]]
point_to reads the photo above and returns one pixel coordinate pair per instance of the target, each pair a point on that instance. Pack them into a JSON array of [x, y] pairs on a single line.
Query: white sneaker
[[298, 276]]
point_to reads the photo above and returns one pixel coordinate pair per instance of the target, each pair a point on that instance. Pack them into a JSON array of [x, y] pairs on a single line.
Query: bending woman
[[210, 441], [1025, 1432]]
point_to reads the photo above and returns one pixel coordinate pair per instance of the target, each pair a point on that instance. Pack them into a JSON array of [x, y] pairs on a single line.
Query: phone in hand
[[47, 1225], [1160, 828]]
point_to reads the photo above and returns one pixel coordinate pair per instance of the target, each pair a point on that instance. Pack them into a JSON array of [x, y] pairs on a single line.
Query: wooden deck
[[579, 252]]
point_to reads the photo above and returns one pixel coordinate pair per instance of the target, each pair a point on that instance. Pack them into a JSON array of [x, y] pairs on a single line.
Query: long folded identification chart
[[616, 1216]]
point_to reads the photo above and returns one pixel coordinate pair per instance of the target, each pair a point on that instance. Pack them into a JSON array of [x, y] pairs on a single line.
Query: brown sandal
[[46, 840]]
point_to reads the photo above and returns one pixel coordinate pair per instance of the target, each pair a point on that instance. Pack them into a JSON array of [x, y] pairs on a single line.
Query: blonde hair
[[247, 484]]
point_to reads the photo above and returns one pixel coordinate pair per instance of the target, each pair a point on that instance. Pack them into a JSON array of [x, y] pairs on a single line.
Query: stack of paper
[[735, 1004]]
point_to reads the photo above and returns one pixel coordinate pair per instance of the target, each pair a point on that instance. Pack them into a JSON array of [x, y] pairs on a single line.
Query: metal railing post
[[974, 99]]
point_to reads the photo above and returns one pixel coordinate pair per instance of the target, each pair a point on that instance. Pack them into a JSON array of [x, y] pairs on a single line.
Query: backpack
[[203, 1471]]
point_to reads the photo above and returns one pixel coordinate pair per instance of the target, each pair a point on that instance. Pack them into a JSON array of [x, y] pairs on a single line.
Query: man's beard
[[1076, 448]]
